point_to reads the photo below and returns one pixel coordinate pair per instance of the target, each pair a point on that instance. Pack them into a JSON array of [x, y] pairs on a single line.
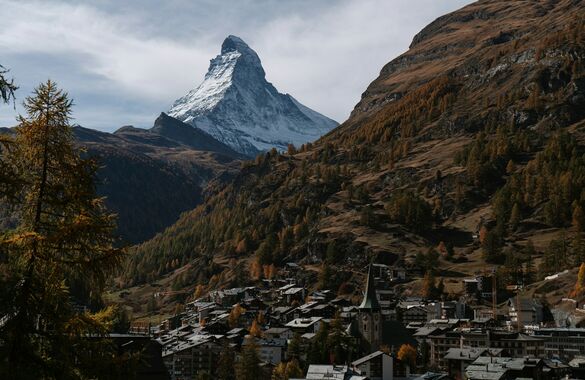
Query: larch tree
[[287, 370], [8, 180], [407, 354], [7, 86], [59, 255], [580, 284]]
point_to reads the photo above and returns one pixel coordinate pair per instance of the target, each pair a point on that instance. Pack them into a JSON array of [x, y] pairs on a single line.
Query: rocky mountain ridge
[[237, 106]]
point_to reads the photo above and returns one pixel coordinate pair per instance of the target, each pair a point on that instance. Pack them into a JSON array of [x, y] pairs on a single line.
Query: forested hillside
[[467, 149], [150, 176]]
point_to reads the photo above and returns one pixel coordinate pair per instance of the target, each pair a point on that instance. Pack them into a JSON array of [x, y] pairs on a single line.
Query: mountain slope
[[477, 130], [149, 177], [236, 105]]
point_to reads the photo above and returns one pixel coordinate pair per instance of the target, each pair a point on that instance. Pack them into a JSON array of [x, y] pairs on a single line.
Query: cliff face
[[469, 144], [483, 44]]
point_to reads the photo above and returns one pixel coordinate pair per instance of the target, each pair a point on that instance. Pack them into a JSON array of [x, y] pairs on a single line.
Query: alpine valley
[[150, 176], [466, 153], [437, 233]]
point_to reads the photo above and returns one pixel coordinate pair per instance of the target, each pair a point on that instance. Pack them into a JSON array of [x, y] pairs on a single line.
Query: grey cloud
[[125, 61]]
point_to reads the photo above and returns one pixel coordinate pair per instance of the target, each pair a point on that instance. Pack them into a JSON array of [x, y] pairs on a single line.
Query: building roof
[[471, 353], [367, 358], [370, 301], [331, 372], [524, 303], [276, 330], [303, 322], [425, 331]]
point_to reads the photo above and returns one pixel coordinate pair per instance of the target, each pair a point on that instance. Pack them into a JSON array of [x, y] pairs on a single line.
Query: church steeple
[[370, 301], [369, 316]]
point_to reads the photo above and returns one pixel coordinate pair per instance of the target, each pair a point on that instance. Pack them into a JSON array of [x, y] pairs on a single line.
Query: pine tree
[[578, 218], [294, 348], [325, 276], [248, 368], [515, 217], [529, 269], [225, 365], [61, 251]]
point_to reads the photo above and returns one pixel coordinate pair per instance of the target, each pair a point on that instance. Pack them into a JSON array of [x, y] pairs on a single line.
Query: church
[[369, 319]]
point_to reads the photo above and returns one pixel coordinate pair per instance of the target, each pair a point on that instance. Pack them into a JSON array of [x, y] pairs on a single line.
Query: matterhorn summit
[[236, 105]]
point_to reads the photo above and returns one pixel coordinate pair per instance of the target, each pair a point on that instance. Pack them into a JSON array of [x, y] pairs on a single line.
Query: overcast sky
[[123, 62]]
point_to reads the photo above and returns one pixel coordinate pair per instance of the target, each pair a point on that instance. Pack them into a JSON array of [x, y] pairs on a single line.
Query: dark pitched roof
[[367, 358], [370, 302]]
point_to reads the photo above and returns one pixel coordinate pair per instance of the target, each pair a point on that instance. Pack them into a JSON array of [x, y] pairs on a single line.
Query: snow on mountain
[[236, 105]]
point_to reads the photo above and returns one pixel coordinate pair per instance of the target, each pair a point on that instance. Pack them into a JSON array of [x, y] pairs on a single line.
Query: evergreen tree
[[225, 365], [60, 253], [317, 352], [333, 254], [248, 368], [492, 246], [325, 276], [338, 344], [578, 218], [515, 217], [294, 348], [529, 269]]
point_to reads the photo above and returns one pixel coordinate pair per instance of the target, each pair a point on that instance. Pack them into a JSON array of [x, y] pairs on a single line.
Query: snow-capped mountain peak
[[236, 105]]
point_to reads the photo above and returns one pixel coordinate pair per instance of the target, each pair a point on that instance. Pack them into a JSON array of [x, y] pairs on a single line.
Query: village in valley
[[434, 230], [284, 330]]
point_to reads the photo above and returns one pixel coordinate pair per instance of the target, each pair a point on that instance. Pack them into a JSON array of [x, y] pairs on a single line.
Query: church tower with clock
[[370, 315]]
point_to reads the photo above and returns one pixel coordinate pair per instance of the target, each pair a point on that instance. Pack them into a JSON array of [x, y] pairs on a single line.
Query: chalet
[[325, 295], [414, 314], [479, 286], [269, 350], [305, 325], [332, 372], [375, 366], [561, 342], [326, 311], [294, 294], [397, 274], [279, 333], [524, 311], [458, 359], [186, 359], [282, 314], [253, 304], [487, 367]]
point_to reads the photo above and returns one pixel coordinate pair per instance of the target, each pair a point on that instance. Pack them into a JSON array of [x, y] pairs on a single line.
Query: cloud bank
[[124, 62]]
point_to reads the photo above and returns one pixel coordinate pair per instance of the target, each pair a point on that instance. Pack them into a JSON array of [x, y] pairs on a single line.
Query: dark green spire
[[370, 301]]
